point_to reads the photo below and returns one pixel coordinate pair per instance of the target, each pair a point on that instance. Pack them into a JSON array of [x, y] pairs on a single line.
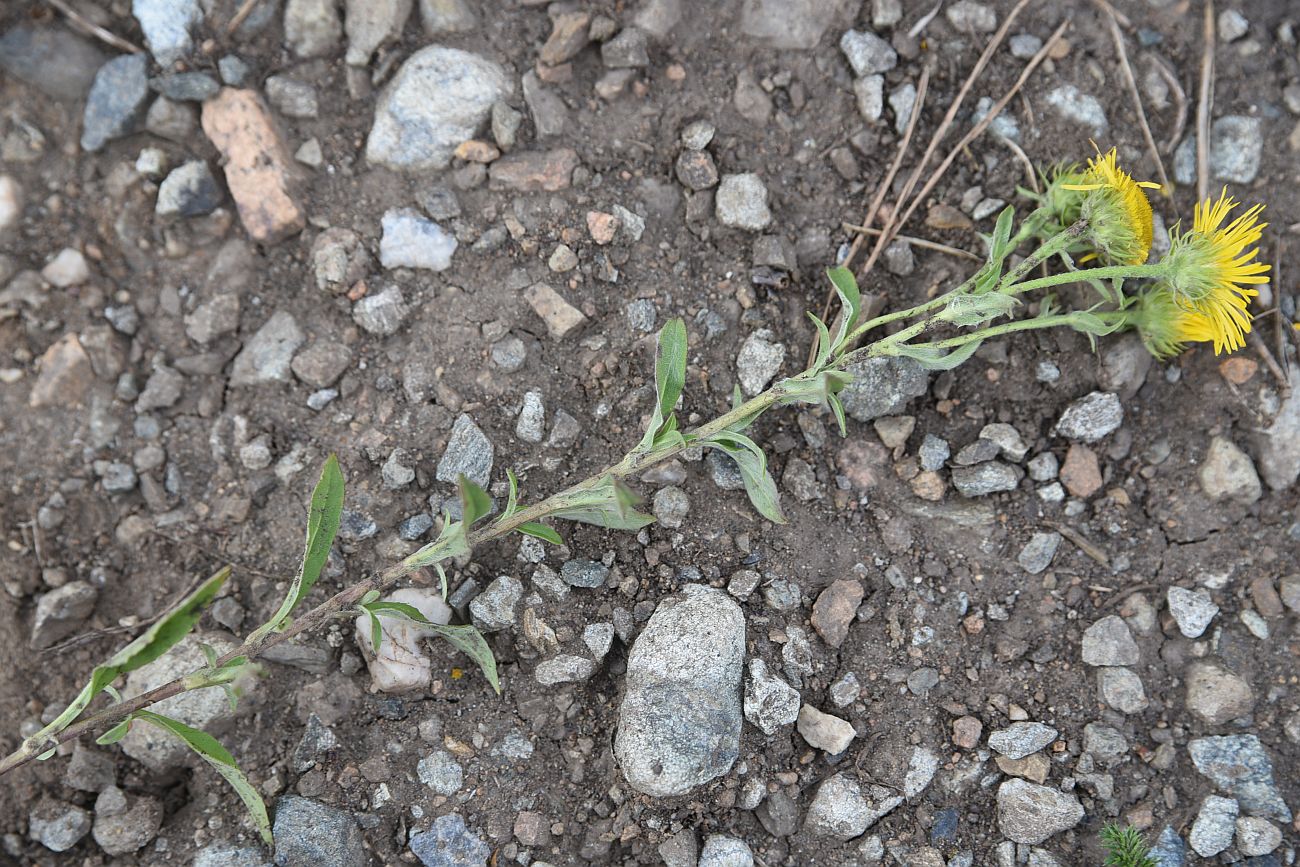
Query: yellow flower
[[1209, 268], [1165, 327], [1119, 215]]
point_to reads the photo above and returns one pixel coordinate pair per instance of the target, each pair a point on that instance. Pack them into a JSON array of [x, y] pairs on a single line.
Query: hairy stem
[[1108, 272]]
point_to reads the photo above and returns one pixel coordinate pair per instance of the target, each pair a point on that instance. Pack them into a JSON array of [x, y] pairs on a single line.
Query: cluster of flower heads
[[1200, 291]]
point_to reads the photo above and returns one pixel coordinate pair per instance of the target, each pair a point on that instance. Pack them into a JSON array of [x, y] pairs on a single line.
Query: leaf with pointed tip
[[670, 366], [541, 531], [115, 734], [470, 642], [211, 751], [322, 525], [376, 632], [846, 287], [752, 462], [838, 408], [474, 501], [933, 358], [512, 501], [823, 341]]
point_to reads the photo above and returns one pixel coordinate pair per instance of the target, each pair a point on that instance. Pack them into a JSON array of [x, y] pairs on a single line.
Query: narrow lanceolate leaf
[[607, 516], [751, 460], [512, 501], [322, 526], [470, 642], [823, 341], [670, 366], [474, 501], [220, 759], [933, 358], [150, 645], [838, 408], [846, 288], [541, 531], [116, 733]]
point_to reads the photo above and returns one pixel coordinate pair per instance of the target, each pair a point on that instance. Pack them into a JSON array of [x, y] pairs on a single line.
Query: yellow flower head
[[1210, 268], [1118, 213]]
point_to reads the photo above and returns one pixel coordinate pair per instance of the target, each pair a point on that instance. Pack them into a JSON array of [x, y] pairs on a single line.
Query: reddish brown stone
[[929, 485], [966, 732], [65, 375], [256, 164], [863, 463], [1265, 597], [834, 610], [534, 171], [568, 37], [1081, 473], [603, 227]]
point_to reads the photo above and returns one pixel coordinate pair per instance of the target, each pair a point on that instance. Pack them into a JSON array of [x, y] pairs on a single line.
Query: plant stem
[[1108, 272]]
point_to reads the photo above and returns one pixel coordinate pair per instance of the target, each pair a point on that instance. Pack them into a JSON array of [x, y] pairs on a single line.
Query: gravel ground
[[1055, 588]]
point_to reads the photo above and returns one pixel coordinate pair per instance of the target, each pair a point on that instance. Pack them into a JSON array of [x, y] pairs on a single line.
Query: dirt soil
[[1005, 644]]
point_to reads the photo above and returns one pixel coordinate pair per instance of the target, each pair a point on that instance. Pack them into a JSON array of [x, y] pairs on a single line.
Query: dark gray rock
[[116, 104], [448, 843], [189, 190], [469, 452], [584, 573], [1169, 849], [311, 834]]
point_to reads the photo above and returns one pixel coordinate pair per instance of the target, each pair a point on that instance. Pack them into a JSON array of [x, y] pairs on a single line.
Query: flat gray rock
[[311, 834], [1029, 813], [680, 718], [117, 100], [1239, 765], [469, 451], [883, 386]]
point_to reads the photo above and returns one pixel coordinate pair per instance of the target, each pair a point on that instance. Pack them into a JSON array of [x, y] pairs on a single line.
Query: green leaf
[[116, 733], [670, 366], [470, 642], [474, 501], [607, 517], [512, 501], [150, 645], [322, 526], [219, 758], [442, 576], [753, 469], [934, 358], [846, 287], [1000, 246], [540, 531], [371, 596], [400, 610], [838, 408], [823, 341]]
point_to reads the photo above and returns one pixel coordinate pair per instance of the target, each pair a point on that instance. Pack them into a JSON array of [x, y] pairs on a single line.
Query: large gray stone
[[437, 100], [680, 719], [1236, 148], [1214, 826], [57, 826], [883, 386], [1029, 813], [1238, 765], [311, 834]]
